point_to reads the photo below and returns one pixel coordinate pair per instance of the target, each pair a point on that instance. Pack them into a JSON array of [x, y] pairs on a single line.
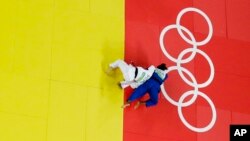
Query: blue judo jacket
[[152, 87]]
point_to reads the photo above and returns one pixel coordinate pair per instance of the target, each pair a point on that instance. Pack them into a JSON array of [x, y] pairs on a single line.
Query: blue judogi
[[152, 87]]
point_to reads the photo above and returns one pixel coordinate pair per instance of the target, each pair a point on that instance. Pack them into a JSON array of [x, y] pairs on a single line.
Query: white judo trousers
[[128, 72]]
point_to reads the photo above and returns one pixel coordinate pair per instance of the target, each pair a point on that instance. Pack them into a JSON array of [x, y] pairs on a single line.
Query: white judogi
[[128, 72]]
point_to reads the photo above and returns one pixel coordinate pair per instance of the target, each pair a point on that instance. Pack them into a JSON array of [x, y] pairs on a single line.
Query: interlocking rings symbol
[[181, 69]]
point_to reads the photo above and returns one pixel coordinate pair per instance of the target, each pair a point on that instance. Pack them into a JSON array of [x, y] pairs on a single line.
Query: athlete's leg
[[123, 66], [128, 71], [153, 94], [138, 93]]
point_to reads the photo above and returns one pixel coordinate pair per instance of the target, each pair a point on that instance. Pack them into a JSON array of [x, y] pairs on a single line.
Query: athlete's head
[[162, 66]]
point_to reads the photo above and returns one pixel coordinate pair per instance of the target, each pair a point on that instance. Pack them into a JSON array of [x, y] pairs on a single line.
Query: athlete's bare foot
[[109, 71], [125, 105], [137, 105]]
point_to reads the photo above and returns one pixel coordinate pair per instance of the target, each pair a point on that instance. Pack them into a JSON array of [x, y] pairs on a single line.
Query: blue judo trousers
[[152, 87]]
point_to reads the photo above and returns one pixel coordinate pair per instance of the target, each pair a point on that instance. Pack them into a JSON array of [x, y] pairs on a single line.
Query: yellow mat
[[53, 54]]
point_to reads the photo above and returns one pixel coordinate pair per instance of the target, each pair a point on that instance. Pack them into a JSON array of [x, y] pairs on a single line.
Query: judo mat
[[54, 53]]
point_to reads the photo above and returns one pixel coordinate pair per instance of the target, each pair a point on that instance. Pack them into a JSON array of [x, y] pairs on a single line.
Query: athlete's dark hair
[[162, 66]]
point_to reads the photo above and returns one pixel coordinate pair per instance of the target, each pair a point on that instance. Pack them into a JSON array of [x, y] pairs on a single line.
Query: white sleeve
[[151, 69]]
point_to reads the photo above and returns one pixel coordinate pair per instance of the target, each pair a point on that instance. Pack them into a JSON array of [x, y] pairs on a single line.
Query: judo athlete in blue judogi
[[151, 86]]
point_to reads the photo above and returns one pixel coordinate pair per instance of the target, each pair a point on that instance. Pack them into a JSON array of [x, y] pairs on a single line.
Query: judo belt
[[136, 71]]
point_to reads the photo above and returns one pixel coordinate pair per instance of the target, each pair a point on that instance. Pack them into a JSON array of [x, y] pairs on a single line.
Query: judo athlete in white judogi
[[133, 76]]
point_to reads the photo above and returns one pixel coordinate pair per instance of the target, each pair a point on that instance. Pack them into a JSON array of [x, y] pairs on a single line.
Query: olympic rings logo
[[179, 61]]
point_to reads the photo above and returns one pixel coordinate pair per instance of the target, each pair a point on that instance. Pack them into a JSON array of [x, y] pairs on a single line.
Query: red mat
[[228, 49]]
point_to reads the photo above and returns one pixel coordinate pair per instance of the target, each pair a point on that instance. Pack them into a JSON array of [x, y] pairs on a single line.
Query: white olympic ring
[[204, 129], [210, 27], [210, 79], [195, 88], [180, 69], [164, 31]]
